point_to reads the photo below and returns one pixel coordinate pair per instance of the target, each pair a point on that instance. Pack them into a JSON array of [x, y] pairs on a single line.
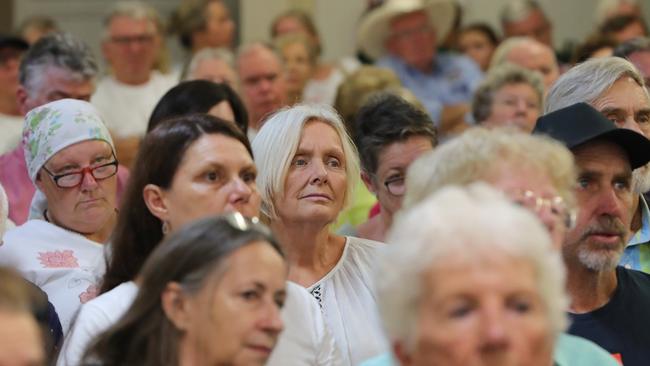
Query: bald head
[[533, 55]]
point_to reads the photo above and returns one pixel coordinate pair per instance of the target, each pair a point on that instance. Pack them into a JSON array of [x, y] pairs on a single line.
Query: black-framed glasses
[[74, 179], [396, 185]]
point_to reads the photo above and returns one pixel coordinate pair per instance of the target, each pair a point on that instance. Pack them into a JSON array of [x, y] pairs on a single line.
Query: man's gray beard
[[641, 179], [598, 262]]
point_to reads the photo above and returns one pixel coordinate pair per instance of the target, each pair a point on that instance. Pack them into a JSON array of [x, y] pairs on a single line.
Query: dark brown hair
[[138, 231]]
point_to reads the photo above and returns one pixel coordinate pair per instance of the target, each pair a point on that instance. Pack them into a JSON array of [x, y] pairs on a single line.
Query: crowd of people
[[451, 195]]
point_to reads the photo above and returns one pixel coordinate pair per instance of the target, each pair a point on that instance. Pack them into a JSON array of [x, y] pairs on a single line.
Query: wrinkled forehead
[[602, 156], [81, 152]]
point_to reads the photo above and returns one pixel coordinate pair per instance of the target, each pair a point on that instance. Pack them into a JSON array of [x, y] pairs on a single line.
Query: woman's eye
[[333, 162], [249, 177], [250, 295], [520, 306], [459, 311], [300, 162], [212, 176]]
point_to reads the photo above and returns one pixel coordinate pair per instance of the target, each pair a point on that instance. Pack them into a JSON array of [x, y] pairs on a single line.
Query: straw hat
[[375, 26]]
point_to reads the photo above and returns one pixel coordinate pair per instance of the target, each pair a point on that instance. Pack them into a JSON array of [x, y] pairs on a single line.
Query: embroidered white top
[[64, 264]]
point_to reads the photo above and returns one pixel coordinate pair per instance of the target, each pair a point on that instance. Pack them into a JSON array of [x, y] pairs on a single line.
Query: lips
[[317, 196], [265, 350]]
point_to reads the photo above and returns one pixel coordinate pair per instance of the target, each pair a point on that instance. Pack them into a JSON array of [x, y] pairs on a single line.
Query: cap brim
[[635, 145]]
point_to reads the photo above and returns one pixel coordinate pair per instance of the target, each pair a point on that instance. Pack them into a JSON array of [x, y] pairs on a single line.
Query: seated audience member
[[478, 42], [57, 66], [529, 54], [595, 46], [533, 171], [613, 86], [299, 58], [263, 86], [402, 36], [509, 96], [442, 286], [608, 302], [11, 120], [126, 97], [35, 27], [200, 96], [637, 51], [326, 78], [623, 28], [526, 18], [308, 167], [71, 160], [204, 24], [607, 9], [189, 168], [213, 64], [390, 134], [211, 294], [22, 340]]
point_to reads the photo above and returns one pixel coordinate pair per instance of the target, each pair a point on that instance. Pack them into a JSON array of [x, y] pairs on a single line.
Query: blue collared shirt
[[452, 81], [637, 253]]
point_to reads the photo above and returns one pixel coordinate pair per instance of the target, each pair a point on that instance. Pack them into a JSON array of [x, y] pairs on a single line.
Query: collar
[[643, 234]]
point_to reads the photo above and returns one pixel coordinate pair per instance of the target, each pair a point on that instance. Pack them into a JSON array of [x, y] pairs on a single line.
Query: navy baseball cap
[[581, 123]]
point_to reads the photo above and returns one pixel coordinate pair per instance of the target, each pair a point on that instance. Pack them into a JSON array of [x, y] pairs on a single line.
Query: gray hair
[[277, 142], [501, 53], [466, 224], [587, 81], [133, 9], [498, 77], [478, 152], [517, 10], [57, 50], [221, 54], [625, 49]]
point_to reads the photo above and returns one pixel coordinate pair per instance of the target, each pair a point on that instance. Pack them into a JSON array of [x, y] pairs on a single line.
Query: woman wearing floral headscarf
[[71, 160]]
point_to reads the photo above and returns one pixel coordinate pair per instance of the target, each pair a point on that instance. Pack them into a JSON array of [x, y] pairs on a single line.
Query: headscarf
[[51, 128]]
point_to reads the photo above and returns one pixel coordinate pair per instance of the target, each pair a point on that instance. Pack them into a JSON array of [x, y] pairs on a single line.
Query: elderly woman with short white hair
[[71, 160], [307, 169], [479, 284]]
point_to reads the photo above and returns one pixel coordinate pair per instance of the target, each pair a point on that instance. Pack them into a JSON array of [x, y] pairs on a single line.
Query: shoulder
[[451, 62], [577, 351]]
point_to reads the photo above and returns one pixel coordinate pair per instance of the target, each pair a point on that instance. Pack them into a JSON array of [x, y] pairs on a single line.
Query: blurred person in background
[[11, 118], [637, 51], [131, 44], [478, 42], [623, 28], [213, 64], [526, 18], [595, 46], [529, 54], [35, 27], [607, 9], [509, 96], [326, 77], [263, 84], [299, 58]]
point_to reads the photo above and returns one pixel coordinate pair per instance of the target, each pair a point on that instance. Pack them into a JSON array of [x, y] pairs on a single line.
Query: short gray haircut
[[501, 53], [133, 9], [587, 81], [497, 78], [467, 224], [56, 50], [277, 142], [221, 54], [625, 49], [479, 152], [517, 10]]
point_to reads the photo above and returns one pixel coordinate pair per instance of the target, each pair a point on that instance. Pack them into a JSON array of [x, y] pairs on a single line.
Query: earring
[[165, 228]]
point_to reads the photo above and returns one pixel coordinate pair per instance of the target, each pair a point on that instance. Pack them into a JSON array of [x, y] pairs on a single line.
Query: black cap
[[581, 123], [16, 43]]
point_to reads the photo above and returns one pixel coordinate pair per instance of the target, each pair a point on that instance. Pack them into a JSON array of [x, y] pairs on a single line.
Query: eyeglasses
[[74, 179], [555, 204], [144, 39], [395, 185]]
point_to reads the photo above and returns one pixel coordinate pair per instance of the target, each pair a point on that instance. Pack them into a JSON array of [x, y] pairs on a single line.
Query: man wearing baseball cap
[[402, 35], [609, 303], [11, 120]]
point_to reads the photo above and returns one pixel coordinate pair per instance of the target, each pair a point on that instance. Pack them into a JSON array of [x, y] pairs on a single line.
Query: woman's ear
[[154, 198], [367, 181], [175, 304]]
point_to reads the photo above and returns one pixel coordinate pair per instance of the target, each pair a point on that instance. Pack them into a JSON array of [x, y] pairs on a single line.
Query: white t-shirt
[[64, 264], [304, 341], [324, 91], [11, 130], [347, 297], [126, 108], [95, 317]]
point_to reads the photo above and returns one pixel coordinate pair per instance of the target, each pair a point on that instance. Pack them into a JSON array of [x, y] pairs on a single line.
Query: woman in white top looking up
[[307, 167]]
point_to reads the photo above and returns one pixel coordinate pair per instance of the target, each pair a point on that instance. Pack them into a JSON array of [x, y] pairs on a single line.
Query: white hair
[[276, 144], [587, 82], [501, 53], [133, 9], [462, 223], [518, 10], [221, 54]]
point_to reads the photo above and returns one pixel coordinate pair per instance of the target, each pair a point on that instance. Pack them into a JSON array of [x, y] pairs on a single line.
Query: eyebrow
[[612, 110]]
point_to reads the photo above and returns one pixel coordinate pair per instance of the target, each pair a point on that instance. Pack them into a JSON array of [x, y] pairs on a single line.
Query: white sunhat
[[375, 26]]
